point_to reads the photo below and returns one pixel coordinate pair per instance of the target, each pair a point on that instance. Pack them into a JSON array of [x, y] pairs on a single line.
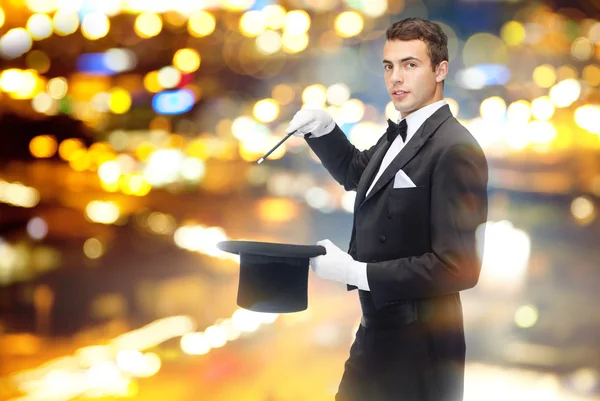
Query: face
[[411, 81]]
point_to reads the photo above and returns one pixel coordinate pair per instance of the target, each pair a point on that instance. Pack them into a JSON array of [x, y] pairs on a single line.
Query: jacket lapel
[[369, 173], [409, 151]]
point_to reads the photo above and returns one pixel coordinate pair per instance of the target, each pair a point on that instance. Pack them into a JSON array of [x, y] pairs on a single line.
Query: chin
[[403, 108]]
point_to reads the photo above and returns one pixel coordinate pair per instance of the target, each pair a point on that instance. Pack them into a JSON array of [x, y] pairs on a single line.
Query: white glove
[[336, 265], [311, 121]]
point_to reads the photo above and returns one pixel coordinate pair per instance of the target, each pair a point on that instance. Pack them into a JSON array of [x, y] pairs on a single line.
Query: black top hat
[[273, 277]]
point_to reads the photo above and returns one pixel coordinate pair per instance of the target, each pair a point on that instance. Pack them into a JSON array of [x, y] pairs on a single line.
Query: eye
[[411, 65], [387, 67]]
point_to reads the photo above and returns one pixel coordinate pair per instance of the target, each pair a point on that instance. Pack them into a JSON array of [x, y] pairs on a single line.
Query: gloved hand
[[311, 121], [336, 265]]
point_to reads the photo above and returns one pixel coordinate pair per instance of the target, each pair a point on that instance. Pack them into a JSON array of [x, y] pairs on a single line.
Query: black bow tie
[[395, 129]]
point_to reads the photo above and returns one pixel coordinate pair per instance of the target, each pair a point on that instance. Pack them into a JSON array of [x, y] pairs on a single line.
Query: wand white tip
[[262, 159]]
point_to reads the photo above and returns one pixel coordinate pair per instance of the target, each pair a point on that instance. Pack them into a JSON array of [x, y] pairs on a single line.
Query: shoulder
[[455, 145], [455, 137]]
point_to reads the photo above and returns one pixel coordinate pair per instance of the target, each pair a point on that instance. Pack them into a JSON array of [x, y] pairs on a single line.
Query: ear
[[441, 71]]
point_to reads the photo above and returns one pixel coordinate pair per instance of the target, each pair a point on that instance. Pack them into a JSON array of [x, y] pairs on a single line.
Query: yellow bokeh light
[[151, 82], [275, 15], [544, 75], [337, 94], [526, 316], [10, 80], [39, 26], [493, 108], [65, 23], [266, 110], [542, 108], [38, 60], [253, 23], [588, 118], [565, 93], [315, 94], [513, 33], [349, 23], [119, 101], [582, 49], [160, 123], [374, 9], [93, 248], [102, 212], [95, 26], [68, 147], [80, 160], [352, 111], [144, 150], [201, 23], [148, 25], [541, 132], [169, 77], [269, 42], [187, 60], [283, 94], [294, 43], [2, 17], [43, 146], [582, 208], [134, 184], [57, 87], [198, 149], [519, 111], [237, 5], [252, 149], [277, 210], [175, 18], [27, 85], [41, 6], [109, 172], [566, 72], [296, 22], [43, 103], [591, 74]]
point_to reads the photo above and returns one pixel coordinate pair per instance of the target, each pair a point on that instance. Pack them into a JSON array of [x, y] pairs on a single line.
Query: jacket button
[[389, 214], [382, 238]]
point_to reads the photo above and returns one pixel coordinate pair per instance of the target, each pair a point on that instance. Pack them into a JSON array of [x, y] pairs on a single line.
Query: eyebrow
[[402, 60]]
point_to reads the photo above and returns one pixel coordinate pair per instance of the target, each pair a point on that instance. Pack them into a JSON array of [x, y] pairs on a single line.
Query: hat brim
[[272, 249], [273, 277]]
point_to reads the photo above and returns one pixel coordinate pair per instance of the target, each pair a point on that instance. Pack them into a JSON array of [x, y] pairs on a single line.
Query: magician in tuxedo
[[421, 193]]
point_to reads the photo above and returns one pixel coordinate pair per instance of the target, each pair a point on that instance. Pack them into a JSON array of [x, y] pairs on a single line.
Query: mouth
[[399, 93]]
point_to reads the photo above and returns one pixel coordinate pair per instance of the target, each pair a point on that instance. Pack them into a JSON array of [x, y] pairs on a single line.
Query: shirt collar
[[415, 119]]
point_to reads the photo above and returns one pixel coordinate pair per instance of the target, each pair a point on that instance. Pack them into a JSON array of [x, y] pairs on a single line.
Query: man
[[421, 194]]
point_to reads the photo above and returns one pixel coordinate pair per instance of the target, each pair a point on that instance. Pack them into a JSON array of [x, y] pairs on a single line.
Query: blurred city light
[[93, 248], [102, 212], [503, 271], [526, 316], [348, 24], [148, 117]]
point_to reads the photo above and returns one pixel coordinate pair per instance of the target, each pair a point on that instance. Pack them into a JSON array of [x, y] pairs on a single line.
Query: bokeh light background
[[128, 135]]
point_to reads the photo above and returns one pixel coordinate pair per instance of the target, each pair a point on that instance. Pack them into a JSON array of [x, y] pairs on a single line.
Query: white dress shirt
[[413, 121]]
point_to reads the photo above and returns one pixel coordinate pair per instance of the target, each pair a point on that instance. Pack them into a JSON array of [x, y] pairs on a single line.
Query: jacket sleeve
[[342, 160], [458, 206]]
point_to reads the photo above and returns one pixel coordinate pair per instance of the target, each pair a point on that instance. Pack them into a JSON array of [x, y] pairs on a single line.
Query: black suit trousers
[[396, 364]]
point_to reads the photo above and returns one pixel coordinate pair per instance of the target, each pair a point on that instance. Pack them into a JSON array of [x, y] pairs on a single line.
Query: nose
[[397, 76]]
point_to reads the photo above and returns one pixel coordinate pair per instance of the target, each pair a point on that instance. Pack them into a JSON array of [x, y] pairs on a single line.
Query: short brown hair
[[427, 31]]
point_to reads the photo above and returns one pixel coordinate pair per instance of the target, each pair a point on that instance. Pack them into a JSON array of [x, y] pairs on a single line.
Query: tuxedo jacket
[[419, 242]]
